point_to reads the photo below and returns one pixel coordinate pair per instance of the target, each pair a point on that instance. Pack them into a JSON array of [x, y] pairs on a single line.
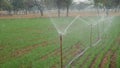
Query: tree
[[5, 5], [105, 3], [62, 4], [2, 4], [17, 5], [39, 5], [97, 3], [28, 5], [50, 4], [58, 3], [67, 4], [116, 4]]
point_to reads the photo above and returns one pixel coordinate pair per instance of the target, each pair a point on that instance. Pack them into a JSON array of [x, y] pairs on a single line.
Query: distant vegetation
[[38, 6]]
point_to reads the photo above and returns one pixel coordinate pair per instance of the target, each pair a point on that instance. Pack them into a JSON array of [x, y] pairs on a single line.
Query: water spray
[[61, 37], [70, 24], [61, 40]]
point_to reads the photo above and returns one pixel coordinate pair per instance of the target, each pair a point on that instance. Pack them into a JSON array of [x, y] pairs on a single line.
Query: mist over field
[[59, 34]]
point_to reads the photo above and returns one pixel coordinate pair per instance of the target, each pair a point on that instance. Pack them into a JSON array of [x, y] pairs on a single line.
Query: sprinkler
[[103, 26], [61, 33], [98, 31], [91, 35], [61, 59]]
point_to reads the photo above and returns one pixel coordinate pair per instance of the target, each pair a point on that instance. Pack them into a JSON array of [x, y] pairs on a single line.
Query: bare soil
[[71, 52], [25, 50], [46, 15], [105, 59], [113, 61], [28, 49], [112, 55], [94, 61], [2, 47], [85, 61], [50, 54]]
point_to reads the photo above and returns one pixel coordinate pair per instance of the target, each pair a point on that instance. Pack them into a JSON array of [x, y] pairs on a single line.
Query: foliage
[[5, 5], [18, 4], [107, 3]]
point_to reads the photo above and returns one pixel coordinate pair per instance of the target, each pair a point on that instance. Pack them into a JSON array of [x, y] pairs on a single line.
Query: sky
[[86, 1], [79, 0]]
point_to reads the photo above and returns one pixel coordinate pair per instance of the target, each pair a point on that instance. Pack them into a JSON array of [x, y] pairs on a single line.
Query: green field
[[34, 43]]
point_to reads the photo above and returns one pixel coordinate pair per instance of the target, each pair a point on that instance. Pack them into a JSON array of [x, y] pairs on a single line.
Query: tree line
[[20, 5], [27, 6], [107, 4]]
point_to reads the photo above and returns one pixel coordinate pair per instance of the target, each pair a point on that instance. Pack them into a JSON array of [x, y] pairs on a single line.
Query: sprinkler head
[[61, 33]]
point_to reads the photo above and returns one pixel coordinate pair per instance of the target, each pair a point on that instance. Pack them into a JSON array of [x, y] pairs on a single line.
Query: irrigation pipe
[[79, 55]]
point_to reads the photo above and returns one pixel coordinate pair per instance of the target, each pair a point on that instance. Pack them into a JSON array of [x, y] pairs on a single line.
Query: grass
[[20, 34]]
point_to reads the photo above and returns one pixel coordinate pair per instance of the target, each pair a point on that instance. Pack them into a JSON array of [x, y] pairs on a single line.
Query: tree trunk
[[41, 11], [15, 12], [10, 12], [119, 6], [58, 12], [107, 12], [40, 8], [67, 10], [116, 9], [25, 12], [98, 10]]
